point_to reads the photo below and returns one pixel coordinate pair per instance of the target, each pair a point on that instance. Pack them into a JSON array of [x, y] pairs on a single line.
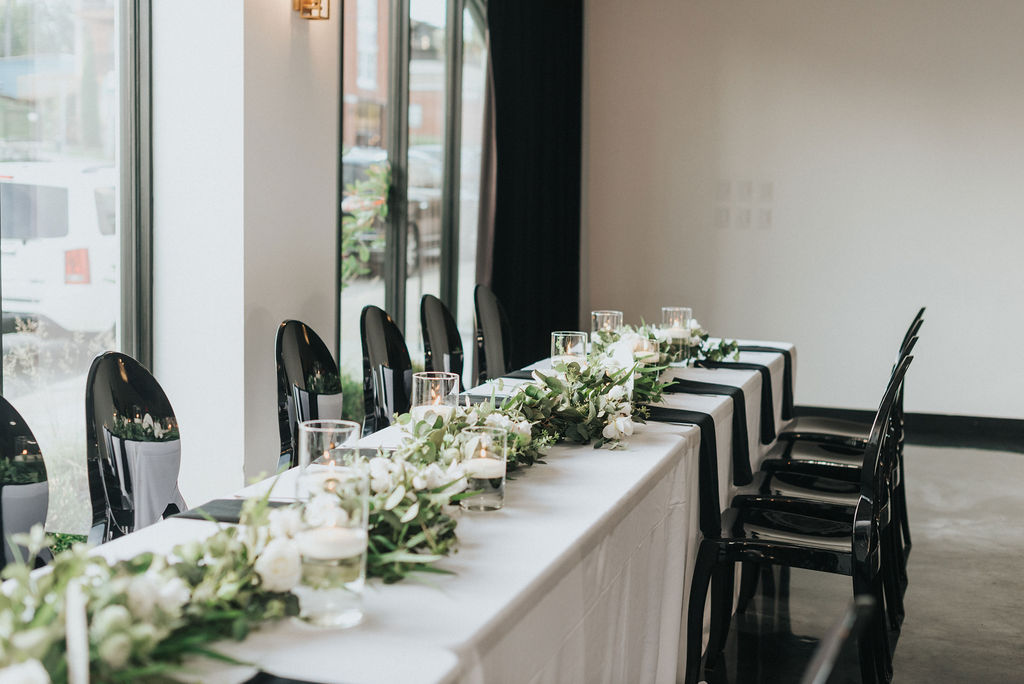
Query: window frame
[[395, 275], [136, 191]]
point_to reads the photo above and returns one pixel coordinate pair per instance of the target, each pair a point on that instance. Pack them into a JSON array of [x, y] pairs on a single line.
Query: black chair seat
[[814, 457], [829, 430], [783, 527], [812, 487]]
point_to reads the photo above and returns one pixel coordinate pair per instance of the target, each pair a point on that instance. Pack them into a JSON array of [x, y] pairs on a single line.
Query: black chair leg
[[748, 585], [784, 624], [722, 584], [873, 644], [704, 567], [890, 578], [900, 499]]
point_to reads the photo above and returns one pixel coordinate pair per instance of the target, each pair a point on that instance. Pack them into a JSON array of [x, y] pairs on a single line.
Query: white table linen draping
[[22, 506], [582, 577]]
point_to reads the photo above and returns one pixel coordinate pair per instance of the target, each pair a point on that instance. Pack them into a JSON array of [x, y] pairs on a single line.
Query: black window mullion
[[398, 156], [450, 187], [136, 206]]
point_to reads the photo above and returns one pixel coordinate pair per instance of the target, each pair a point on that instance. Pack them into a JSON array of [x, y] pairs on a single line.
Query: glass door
[[413, 90], [60, 225], [366, 179]]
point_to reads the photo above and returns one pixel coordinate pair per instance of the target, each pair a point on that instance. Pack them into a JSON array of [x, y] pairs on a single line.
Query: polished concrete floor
[[965, 602]]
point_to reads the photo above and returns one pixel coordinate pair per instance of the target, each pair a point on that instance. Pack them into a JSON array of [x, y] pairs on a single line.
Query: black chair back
[[442, 344], [387, 369], [879, 459], [493, 336], [24, 491], [131, 434], [307, 381]]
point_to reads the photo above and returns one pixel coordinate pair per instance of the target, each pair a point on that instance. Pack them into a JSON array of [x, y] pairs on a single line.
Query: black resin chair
[[848, 433], [840, 442], [442, 344], [387, 369], [308, 384], [826, 474], [133, 447], [24, 491], [493, 336], [777, 531]]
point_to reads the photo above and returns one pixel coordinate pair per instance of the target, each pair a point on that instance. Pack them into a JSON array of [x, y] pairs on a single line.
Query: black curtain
[[537, 69]]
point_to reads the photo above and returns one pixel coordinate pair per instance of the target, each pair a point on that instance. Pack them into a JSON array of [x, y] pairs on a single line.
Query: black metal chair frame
[[491, 323], [442, 344], [300, 354], [717, 555], [23, 464], [387, 369], [110, 485]]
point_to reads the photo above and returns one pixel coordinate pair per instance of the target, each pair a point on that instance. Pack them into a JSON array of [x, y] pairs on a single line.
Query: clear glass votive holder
[[324, 442], [435, 395], [332, 544], [675, 328], [604, 322], [568, 346], [483, 458]]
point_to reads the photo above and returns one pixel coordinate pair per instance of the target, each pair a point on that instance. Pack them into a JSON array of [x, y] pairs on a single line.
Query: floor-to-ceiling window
[[61, 224], [399, 99]]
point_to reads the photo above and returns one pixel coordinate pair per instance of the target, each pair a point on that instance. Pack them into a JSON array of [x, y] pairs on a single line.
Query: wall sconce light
[[312, 9]]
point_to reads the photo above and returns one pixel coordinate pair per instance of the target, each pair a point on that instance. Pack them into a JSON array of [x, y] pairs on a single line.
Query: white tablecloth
[[582, 577]]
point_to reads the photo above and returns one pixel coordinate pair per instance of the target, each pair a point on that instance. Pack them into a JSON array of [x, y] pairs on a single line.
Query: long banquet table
[[581, 577]]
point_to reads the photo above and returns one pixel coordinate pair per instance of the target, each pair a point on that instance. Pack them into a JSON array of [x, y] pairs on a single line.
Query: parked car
[[423, 209], [59, 246]]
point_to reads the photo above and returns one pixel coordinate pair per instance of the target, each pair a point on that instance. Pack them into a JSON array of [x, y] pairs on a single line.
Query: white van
[[59, 246]]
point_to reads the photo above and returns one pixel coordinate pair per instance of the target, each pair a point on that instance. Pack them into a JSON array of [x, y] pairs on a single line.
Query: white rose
[[279, 566], [285, 522], [113, 618], [147, 421], [499, 421], [142, 595], [455, 474], [28, 672], [432, 476], [116, 649], [32, 642], [618, 428], [325, 510], [144, 634], [380, 467], [173, 595], [616, 393], [524, 429]]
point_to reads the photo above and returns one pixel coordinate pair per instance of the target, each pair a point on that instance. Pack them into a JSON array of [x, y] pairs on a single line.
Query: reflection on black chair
[[133, 448], [24, 492], [493, 336], [441, 341], [781, 531], [387, 369], [308, 384], [841, 636]]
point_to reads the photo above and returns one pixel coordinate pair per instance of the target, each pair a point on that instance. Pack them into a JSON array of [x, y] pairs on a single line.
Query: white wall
[[245, 141], [814, 171]]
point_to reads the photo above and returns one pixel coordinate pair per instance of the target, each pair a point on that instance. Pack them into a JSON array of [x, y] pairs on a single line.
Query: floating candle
[[484, 468], [331, 543]]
